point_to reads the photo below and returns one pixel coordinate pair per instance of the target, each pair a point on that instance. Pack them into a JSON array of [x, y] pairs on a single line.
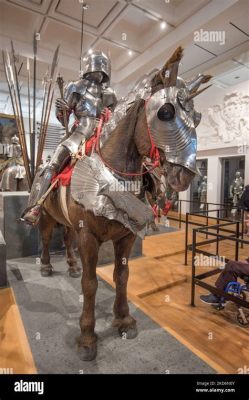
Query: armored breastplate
[[90, 102]]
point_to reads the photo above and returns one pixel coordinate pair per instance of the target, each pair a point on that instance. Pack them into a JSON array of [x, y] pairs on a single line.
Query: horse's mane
[[124, 122], [129, 102], [125, 126]]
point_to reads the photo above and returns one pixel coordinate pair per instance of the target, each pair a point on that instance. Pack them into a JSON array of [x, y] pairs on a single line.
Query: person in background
[[232, 271]]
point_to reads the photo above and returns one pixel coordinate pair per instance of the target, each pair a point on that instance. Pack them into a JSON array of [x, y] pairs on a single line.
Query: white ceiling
[[59, 22]]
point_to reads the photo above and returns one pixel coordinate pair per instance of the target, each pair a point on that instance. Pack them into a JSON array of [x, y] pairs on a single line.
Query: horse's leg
[[123, 320], [88, 248], [46, 225], [74, 270]]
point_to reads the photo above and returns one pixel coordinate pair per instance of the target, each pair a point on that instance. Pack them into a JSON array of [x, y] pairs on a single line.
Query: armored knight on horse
[[157, 123], [87, 98]]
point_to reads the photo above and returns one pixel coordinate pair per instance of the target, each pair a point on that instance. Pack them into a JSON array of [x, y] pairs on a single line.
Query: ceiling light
[[130, 52], [90, 51], [163, 25]]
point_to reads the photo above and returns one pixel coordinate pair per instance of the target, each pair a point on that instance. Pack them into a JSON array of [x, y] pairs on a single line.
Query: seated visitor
[[232, 271]]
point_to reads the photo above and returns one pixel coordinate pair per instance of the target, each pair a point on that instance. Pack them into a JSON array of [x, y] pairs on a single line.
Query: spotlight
[[90, 51], [130, 52], [163, 25]]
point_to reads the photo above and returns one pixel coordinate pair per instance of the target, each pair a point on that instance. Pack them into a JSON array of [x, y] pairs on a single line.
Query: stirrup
[[34, 213]]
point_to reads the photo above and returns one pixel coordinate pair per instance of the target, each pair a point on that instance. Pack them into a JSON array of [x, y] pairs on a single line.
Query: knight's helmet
[[97, 61], [14, 140]]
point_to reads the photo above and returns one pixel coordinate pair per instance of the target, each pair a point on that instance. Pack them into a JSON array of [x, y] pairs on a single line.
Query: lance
[[17, 96], [60, 83], [32, 136], [47, 109]]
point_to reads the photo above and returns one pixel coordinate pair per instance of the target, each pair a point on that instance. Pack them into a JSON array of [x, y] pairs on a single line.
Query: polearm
[[50, 102], [16, 90], [21, 133], [44, 102], [29, 105], [47, 120], [48, 106], [32, 137], [17, 87], [60, 83], [11, 92], [8, 82]]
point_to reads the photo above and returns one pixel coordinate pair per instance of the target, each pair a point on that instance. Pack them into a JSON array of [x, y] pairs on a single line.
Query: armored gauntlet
[[60, 106]]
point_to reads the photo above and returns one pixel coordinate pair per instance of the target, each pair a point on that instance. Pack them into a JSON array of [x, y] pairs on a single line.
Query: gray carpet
[[50, 309]]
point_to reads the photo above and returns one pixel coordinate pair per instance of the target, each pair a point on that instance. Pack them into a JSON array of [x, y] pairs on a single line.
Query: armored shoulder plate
[[109, 98], [79, 86]]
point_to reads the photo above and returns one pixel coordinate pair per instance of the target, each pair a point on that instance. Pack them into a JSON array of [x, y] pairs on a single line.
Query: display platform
[[50, 309], [26, 238]]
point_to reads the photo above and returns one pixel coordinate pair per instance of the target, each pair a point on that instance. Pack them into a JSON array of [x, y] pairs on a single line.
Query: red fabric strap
[[64, 177], [167, 207]]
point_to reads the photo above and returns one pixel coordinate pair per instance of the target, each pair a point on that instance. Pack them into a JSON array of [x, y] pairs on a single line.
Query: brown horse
[[124, 151], [46, 227]]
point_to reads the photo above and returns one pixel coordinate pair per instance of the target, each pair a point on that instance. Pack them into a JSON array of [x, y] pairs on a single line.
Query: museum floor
[[173, 336]]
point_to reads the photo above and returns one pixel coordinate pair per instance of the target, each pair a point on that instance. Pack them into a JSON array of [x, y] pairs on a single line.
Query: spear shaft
[[47, 109], [16, 81], [48, 115], [29, 105], [17, 96], [32, 137], [44, 105]]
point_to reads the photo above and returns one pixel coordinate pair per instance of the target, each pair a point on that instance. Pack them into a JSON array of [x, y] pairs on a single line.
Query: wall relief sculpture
[[227, 122]]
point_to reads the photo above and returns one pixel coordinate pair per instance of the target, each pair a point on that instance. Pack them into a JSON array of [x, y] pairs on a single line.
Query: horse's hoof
[[128, 333], [74, 273], [87, 353], [46, 270]]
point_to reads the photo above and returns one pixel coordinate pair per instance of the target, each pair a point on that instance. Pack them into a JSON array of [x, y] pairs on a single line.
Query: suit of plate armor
[[15, 170], [86, 99]]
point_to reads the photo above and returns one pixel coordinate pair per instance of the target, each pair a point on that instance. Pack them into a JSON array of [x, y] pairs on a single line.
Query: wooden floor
[[160, 285], [15, 353]]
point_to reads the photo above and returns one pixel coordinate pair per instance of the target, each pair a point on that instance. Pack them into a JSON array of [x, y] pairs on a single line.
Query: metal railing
[[226, 208], [198, 279], [217, 218]]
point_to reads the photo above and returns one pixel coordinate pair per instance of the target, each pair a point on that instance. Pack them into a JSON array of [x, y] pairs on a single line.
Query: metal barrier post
[[207, 220], [186, 240], [242, 228], [193, 269], [180, 219], [237, 243], [217, 239]]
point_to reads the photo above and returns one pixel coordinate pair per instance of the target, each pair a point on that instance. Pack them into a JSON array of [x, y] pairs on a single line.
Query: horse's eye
[[166, 112]]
